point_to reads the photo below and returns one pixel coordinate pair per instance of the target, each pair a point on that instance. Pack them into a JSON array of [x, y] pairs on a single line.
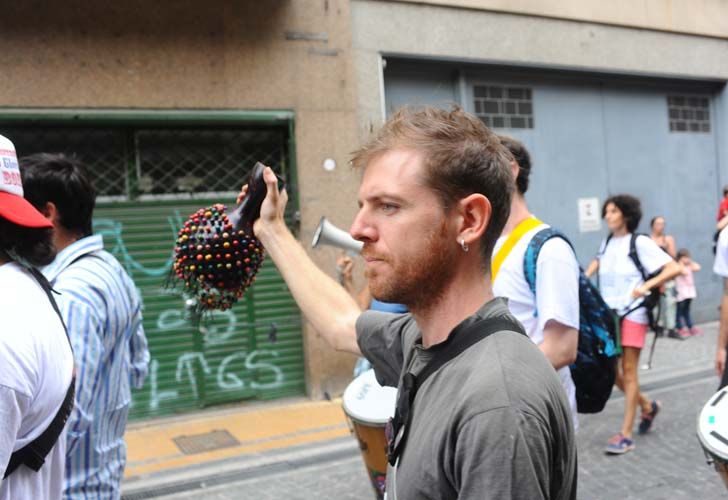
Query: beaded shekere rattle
[[217, 254]]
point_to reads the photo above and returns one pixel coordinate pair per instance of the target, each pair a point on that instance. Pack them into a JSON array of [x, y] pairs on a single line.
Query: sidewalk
[[187, 443], [166, 454]]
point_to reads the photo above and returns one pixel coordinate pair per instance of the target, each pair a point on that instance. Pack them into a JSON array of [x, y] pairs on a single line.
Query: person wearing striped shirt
[[102, 310]]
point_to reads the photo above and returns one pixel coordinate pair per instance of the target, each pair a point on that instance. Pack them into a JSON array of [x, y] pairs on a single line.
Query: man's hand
[[329, 308], [274, 205]]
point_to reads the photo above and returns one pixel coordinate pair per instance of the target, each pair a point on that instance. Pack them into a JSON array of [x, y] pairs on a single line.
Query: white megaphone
[[328, 234]]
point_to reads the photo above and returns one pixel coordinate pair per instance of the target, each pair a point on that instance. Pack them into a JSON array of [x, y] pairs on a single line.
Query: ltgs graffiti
[[217, 255]]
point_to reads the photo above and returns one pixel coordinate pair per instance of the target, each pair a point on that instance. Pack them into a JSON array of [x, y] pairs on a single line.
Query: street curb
[[229, 470]]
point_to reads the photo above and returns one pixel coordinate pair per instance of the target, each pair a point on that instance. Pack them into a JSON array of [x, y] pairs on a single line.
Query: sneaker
[[649, 417], [619, 445], [677, 335], [696, 331]]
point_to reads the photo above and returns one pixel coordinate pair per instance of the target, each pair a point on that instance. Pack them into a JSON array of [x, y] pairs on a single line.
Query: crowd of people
[[480, 351], [72, 345]]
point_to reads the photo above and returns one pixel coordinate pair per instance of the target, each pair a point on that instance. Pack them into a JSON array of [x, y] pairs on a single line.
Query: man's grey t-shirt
[[493, 422]]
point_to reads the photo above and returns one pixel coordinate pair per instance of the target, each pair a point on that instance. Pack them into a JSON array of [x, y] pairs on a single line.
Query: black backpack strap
[[635, 257], [459, 340], [34, 453]]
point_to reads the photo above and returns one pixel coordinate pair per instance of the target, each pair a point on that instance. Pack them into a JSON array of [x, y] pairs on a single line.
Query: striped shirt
[[102, 310]]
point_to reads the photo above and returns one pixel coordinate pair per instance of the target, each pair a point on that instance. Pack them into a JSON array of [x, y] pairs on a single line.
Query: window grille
[[503, 107], [103, 151], [688, 113], [153, 163]]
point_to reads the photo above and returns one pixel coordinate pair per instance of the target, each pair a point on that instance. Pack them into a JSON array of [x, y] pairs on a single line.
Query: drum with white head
[[713, 432], [369, 406]]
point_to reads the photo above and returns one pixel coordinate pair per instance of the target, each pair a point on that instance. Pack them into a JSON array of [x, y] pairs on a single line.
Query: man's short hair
[[629, 206], [30, 244], [63, 181], [725, 191], [461, 156], [522, 158]]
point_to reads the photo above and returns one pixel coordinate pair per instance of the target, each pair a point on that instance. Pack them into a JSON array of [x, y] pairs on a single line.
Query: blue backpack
[[595, 368]]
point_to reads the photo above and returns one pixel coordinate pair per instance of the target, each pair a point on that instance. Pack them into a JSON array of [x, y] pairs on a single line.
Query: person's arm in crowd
[[720, 355], [345, 268], [592, 268], [557, 302], [364, 299], [12, 407], [345, 264], [670, 242], [138, 353], [669, 271], [559, 344], [722, 223], [326, 304], [84, 327], [694, 266]]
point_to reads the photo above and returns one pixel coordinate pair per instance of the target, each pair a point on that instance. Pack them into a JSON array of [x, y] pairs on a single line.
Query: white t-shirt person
[[36, 364], [618, 276], [557, 292], [720, 265]]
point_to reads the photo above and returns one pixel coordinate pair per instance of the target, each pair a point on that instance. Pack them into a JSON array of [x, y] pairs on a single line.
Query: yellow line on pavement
[[151, 448]]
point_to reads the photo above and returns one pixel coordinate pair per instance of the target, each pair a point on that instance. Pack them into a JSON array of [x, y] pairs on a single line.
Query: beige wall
[[701, 17], [217, 54]]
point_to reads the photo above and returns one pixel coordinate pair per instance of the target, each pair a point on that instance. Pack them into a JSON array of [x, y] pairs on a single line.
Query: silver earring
[[464, 245]]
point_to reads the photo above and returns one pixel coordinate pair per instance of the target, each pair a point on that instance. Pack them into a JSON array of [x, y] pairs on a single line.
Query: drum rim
[[366, 423], [715, 454], [364, 420]]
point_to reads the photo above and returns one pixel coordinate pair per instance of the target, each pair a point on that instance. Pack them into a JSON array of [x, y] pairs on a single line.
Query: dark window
[[490, 107], [504, 106], [688, 113]]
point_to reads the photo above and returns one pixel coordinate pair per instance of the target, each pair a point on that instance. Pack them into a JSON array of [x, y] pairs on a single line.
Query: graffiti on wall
[[236, 370]]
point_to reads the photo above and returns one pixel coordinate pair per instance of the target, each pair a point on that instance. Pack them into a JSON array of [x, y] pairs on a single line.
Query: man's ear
[[515, 168], [475, 212], [50, 212]]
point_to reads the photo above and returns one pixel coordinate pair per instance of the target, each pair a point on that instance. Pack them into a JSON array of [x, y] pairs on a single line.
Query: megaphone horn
[[328, 234]]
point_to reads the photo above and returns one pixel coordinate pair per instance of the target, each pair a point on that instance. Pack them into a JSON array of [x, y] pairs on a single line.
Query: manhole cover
[[209, 441]]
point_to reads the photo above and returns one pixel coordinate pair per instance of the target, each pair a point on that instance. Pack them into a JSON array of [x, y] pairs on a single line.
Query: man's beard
[[421, 281]]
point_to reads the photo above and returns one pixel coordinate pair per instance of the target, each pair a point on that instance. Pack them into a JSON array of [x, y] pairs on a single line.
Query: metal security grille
[[126, 163], [688, 113], [202, 160], [150, 179], [503, 107], [103, 151]]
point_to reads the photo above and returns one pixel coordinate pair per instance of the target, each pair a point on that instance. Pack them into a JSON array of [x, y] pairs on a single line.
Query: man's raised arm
[[329, 308]]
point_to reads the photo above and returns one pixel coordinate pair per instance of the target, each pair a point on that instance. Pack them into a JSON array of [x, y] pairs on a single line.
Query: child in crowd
[[685, 284]]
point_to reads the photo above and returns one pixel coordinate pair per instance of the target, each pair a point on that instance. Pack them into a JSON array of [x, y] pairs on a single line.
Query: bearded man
[[480, 411]]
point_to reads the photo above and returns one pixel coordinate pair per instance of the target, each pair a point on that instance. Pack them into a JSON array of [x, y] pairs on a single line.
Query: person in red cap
[[36, 361]]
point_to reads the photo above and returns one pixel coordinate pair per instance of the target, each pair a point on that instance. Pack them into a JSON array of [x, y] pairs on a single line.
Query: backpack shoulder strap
[[530, 258], [34, 453], [634, 256]]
